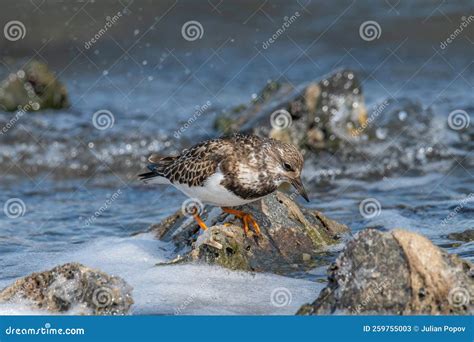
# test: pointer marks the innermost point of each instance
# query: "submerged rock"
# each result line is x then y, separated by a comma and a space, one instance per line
400, 273
465, 236
32, 88
291, 237
72, 287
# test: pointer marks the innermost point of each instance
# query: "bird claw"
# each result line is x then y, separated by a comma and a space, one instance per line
249, 219
246, 220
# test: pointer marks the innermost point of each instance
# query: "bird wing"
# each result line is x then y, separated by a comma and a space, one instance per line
193, 166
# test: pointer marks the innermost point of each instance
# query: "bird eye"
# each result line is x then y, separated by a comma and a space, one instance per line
287, 167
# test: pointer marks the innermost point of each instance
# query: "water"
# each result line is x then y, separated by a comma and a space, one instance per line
64, 169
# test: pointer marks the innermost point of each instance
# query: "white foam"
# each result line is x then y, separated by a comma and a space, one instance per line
183, 288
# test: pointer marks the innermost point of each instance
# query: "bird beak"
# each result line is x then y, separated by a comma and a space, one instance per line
299, 187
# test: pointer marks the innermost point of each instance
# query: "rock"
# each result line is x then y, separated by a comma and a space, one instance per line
465, 236
400, 273
328, 120
315, 115
288, 233
72, 287
32, 88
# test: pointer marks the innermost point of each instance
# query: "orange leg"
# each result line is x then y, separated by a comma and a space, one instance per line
246, 219
200, 222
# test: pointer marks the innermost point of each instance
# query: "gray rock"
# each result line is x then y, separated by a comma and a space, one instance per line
292, 238
398, 273
72, 287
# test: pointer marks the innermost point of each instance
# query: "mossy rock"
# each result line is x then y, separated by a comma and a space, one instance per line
292, 238
32, 88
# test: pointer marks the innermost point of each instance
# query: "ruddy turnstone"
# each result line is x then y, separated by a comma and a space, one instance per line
229, 172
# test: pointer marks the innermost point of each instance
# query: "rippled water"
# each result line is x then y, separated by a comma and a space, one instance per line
64, 169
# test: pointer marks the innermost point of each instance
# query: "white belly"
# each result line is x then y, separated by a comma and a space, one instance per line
213, 193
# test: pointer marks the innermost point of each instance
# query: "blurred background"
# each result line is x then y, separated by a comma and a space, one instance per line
136, 62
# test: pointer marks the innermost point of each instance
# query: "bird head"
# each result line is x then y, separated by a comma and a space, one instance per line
287, 163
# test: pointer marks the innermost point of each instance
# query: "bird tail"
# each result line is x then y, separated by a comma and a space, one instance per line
157, 167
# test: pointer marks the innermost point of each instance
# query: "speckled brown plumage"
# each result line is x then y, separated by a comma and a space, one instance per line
252, 167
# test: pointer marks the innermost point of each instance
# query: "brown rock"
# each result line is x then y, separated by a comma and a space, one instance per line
288, 232
318, 114
72, 286
395, 273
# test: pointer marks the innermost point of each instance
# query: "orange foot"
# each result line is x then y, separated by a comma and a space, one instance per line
200, 222
246, 219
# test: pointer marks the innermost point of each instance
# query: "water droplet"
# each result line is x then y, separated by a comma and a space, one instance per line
105, 72
381, 133
136, 32
402, 115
